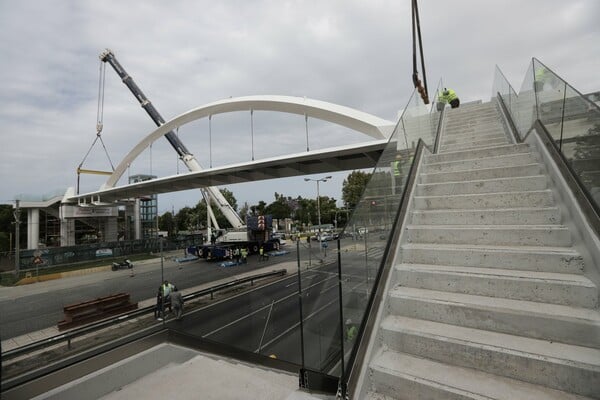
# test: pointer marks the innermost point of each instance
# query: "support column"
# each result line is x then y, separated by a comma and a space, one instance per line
67, 227
33, 228
110, 231
137, 220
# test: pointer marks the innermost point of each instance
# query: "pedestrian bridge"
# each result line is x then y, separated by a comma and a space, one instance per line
340, 158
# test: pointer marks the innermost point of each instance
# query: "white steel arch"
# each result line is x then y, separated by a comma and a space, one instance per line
351, 118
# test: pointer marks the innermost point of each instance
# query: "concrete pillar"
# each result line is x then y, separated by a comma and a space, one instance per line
137, 220
110, 230
67, 227
33, 228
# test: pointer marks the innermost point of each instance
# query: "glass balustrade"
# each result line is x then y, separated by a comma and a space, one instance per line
571, 119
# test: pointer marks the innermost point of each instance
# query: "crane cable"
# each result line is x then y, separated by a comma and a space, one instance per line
416, 30
99, 126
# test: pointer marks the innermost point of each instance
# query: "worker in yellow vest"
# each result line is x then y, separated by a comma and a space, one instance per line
449, 96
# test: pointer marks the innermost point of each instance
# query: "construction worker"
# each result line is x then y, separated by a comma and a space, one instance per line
449, 96
351, 330
244, 253
165, 293
177, 302
262, 255
542, 78
236, 255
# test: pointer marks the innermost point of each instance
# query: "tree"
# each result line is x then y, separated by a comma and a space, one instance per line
6, 226
166, 222
280, 208
184, 218
353, 188
195, 218
259, 209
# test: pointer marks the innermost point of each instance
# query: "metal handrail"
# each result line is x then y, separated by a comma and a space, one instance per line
68, 336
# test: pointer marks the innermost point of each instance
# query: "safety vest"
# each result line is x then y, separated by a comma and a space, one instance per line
166, 289
540, 74
447, 98
351, 332
396, 168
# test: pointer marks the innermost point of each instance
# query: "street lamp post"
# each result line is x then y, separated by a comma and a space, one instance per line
324, 179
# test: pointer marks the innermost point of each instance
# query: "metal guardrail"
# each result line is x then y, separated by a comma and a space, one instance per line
68, 336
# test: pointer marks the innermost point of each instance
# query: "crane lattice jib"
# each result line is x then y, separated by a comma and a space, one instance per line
109, 57
188, 158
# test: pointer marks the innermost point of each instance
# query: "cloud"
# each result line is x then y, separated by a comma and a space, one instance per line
189, 53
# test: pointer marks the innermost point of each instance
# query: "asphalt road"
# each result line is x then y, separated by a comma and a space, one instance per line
265, 320
37, 308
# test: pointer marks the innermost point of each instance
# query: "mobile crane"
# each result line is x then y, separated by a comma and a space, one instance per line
251, 236
185, 155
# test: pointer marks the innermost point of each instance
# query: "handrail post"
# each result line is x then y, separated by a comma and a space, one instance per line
342, 336
303, 379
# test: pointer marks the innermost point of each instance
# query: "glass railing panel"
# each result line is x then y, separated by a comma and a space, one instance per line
571, 119
320, 330
513, 102
501, 86
550, 97
435, 108
367, 234
525, 108
580, 140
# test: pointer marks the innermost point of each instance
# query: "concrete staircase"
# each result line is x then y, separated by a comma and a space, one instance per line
490, 300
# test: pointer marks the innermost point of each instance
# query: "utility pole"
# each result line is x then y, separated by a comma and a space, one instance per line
324, 179
17, 215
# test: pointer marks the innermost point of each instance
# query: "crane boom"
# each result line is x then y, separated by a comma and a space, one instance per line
188, 158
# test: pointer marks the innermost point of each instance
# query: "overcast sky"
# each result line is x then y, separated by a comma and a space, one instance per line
184, 54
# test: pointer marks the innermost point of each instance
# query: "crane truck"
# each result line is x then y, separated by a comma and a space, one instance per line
252, 235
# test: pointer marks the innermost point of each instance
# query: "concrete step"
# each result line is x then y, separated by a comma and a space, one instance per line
525, 258
469, 112
477, 163
483, 173
508, 149
544, 287
537, 198
509, 184
574, 369
506, 216
556, 323
477, 131
469, 137
469, 144
483, 118
479, 140
512, 235
473, 126
405, 377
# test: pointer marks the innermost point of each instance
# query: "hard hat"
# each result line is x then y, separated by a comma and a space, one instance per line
348, 321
